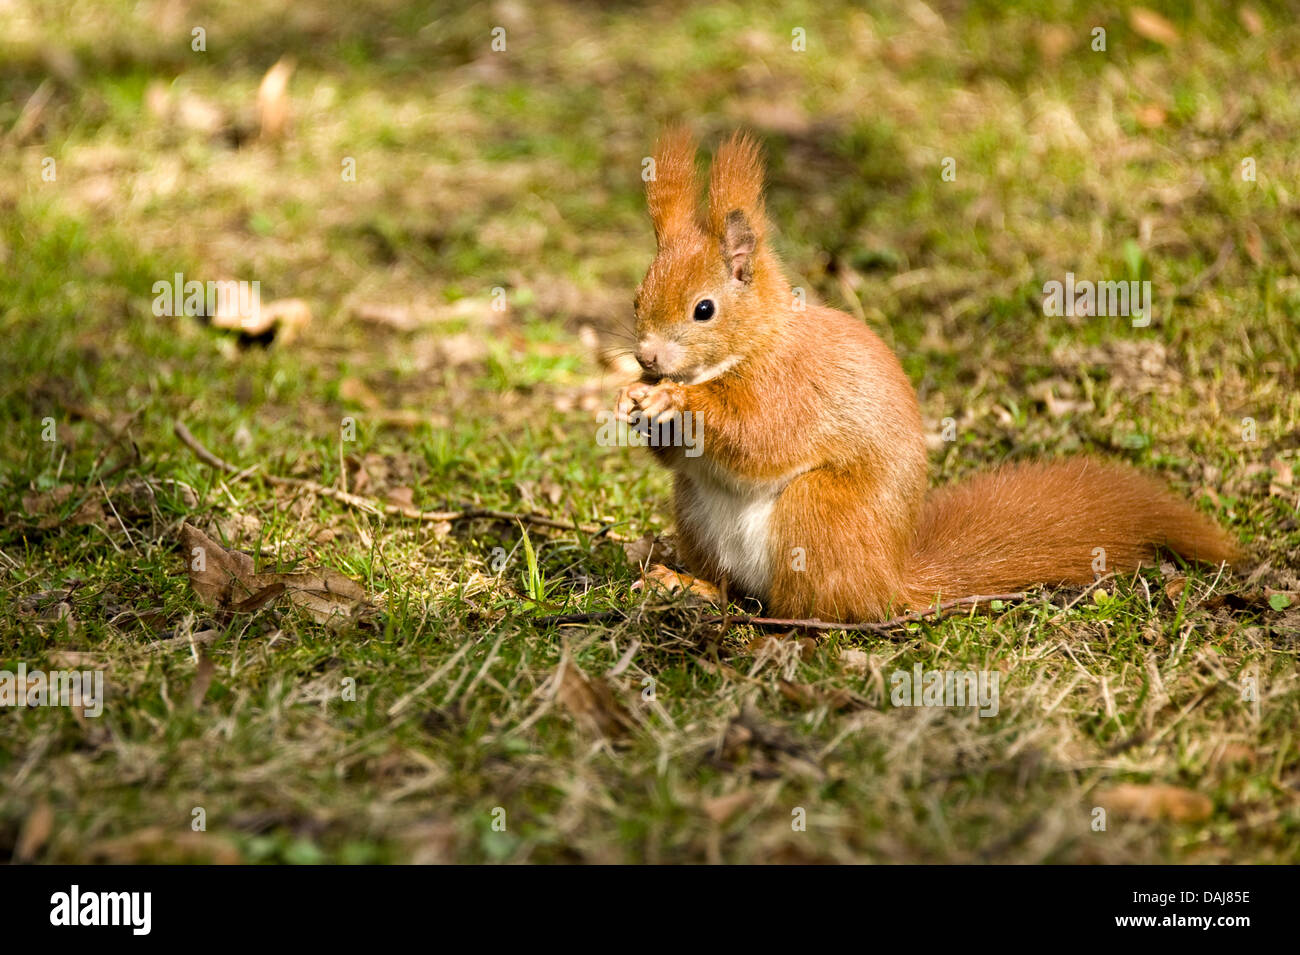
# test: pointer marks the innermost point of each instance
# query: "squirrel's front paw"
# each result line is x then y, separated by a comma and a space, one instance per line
662, 401
657, 402
629, 400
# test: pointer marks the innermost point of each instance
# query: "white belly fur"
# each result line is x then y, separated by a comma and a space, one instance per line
733, 519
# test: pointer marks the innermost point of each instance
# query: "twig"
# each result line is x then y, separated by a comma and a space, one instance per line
882, 626
370, 506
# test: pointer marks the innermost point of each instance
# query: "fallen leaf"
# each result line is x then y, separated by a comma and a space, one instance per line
1151, 25
772, 644
322, 592
226, 580
235, 529
1237, 753
855, 661
1054, 40
810, 697
78, 660
638, 551
202, 680
592, 703
1249, 601
722, 808
552, 491
163, 845
273, 99
355, 391
219, 577
35, 832
1151, 115
1174, 587
401, 495
1254, 243
42, 601
767, 750
1156, 801
260, 599
49, 505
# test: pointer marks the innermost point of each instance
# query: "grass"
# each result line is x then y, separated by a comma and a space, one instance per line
464, 740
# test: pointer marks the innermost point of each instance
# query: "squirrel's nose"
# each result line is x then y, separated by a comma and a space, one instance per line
647, 355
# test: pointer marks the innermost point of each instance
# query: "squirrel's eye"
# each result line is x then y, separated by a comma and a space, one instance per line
704, 310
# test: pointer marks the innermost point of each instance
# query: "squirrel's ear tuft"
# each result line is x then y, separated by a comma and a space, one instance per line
736, 217
672, 187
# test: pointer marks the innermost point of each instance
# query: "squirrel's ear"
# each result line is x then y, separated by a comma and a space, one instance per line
736, 216
739, 242
672, 188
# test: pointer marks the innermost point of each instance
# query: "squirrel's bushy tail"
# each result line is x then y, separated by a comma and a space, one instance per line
1042, 522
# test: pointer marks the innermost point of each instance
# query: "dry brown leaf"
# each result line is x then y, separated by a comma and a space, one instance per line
78, 660
1254, 243
1237, 753
855, 661
772, 644
322, 592
273, 99
219, 577
722, 808
592, 702
35, 832
202, 680
1156, 801
1151, 115
1055, 40
354, 390
235, 529
1174, 588
552, 491
196, 114
639, 550
157, 844
810, 697
226, 579
1247, 601
477, 312
395, 316
456, 351
401, 495
259, 599
1151, 25
48, 506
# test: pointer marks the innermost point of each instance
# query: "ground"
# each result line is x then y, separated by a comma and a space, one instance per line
465, 227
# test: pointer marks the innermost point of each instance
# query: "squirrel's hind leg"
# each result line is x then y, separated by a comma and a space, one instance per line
834, 555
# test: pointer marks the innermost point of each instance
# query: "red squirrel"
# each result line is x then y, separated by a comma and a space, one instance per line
808, 488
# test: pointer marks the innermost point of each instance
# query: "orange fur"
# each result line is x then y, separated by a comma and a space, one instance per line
810, 492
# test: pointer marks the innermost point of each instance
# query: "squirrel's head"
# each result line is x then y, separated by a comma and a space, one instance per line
714, 291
